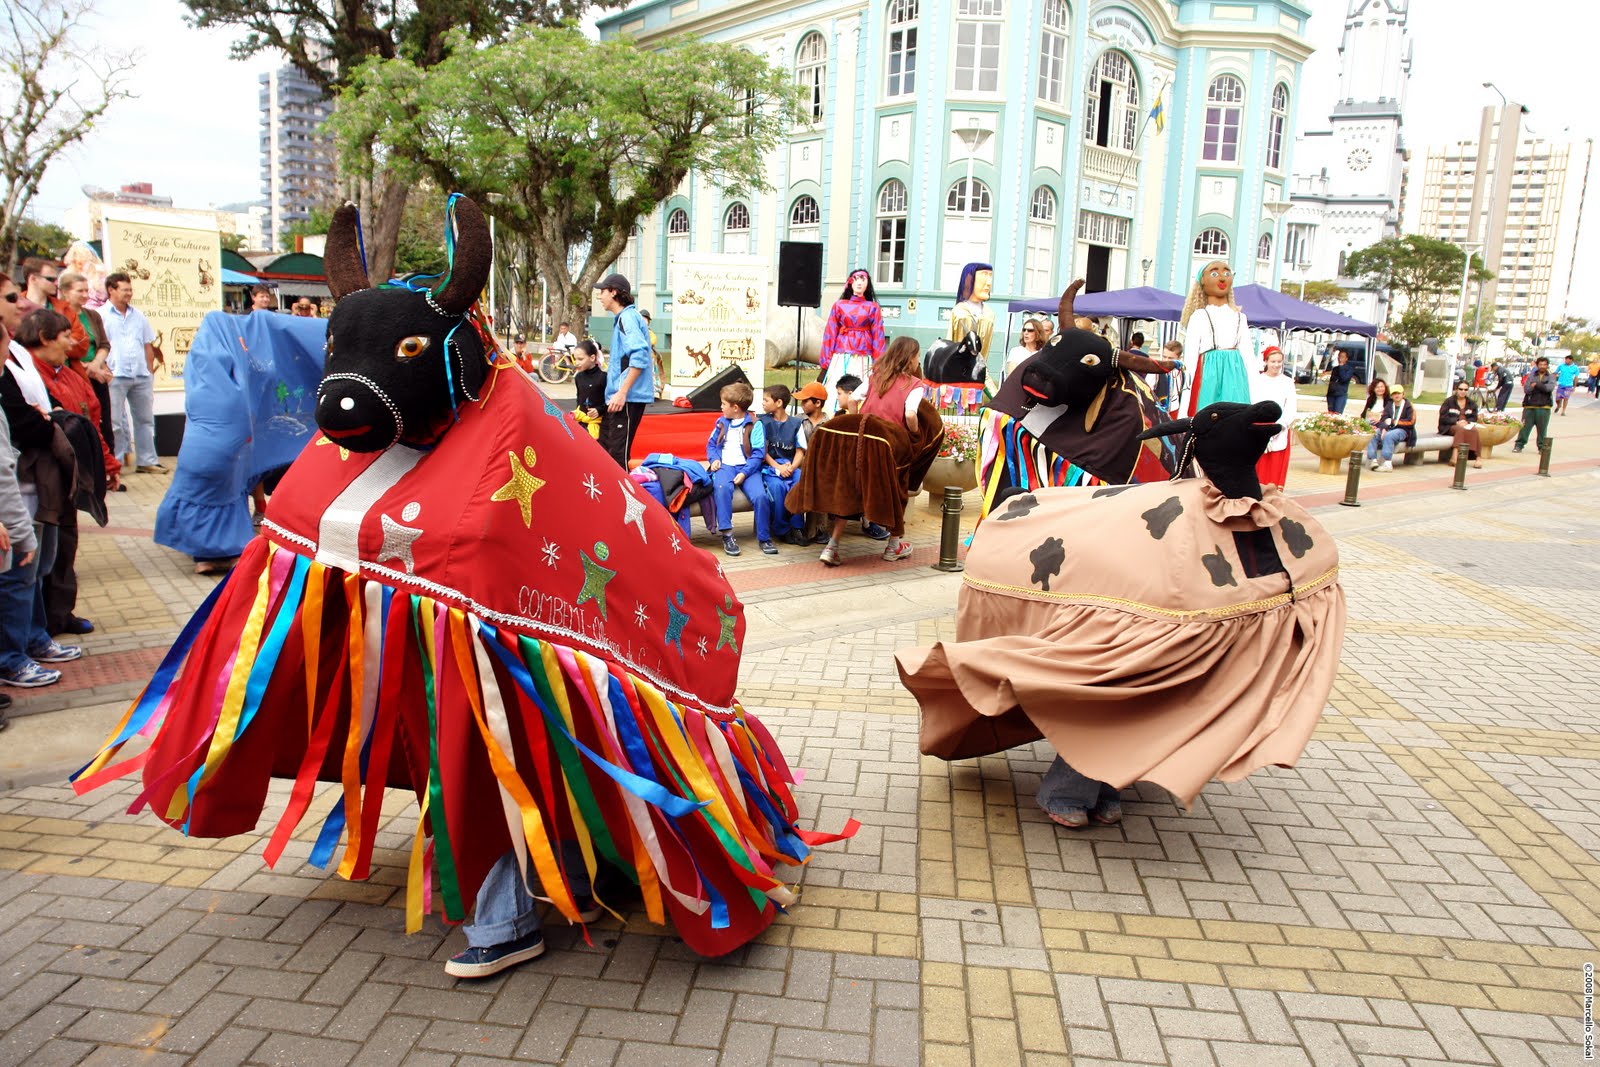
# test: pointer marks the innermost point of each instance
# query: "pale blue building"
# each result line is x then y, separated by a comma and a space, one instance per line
1022, 133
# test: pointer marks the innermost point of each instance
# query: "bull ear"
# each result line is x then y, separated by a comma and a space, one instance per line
1064, 314
342, 261
469, 269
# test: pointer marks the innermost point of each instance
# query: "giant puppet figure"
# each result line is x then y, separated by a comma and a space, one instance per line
456, 592
971, 313
1173, 632
1216, 335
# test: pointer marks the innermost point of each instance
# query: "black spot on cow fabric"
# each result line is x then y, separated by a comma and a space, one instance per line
1220, 569
1258, 553
1047, 560
1295, 536
1111, 490
1160, 518
1017, 506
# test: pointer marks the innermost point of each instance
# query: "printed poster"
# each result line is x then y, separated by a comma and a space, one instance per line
719, 316
176, 279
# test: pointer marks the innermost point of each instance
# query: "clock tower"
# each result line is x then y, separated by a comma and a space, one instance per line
1348, 183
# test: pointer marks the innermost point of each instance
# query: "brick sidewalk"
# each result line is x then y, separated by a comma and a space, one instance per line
1423, 888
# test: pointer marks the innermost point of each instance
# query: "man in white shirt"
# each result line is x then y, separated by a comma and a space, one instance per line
132, 363
565, 338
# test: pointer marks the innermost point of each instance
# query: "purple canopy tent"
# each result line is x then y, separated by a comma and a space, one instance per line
1267, 308
1143, 302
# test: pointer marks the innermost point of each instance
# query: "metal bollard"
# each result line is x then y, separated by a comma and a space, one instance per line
1352, 482
950, 531
1545, 448
1461, 468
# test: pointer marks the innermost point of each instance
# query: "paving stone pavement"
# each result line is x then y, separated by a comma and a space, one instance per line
1423, 888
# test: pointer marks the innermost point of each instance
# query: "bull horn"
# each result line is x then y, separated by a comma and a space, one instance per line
1166, 429
474, 251
1064, 314
342, 261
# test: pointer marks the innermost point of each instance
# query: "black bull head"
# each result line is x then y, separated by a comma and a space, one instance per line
399, 360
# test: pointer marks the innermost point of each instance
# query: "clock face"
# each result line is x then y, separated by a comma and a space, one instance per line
1360, 159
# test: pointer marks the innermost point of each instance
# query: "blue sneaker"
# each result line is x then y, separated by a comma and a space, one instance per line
54, 652
483, 962
874, 531
31, 677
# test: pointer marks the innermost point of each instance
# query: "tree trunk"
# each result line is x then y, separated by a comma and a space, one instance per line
385, 238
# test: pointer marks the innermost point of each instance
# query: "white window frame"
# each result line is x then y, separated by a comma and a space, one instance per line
1116, 67
1098, 228
968, 229
893, 203
1039, 261
900, 53
1224, 112
1264, 248
736, 228
805, 218
1275, 126
976, 63
678, 231
1054, 52
811, 73
1212, 243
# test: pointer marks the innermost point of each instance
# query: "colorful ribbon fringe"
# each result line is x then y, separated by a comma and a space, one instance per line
1010, 455
613, 740
954, 399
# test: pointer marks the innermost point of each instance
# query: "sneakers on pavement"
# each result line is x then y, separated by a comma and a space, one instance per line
830, 554
1388, 465
874, 531
151, 468
899, 549
30, 677
482, 962
1071, 818
769, 548
55, 653
729, 545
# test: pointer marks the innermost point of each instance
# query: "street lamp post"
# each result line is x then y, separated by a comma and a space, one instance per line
1305, 275
1144, 265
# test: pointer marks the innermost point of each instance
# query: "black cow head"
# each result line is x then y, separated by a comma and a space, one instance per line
1073, 367
399, 360
949, 362
1227, 439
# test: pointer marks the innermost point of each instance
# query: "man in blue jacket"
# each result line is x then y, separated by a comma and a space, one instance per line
629, 385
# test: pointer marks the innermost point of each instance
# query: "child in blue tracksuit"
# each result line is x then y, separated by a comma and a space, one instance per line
779, 474
735, 454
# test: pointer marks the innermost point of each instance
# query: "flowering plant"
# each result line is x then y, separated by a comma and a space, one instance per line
1327, 422
1498, 418
960, 442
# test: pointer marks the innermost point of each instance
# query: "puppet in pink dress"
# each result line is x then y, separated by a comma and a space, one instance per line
853, 339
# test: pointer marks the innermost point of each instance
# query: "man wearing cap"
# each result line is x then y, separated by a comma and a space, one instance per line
629, 383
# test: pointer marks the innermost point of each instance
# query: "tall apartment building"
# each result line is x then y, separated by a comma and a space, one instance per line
1521, 200
297, 158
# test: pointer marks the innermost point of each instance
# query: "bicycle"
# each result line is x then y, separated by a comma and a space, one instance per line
558, 364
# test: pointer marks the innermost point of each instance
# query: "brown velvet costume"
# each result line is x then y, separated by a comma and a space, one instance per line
1145, 631
868, 466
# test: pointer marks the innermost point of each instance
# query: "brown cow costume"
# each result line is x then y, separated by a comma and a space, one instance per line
1170, 632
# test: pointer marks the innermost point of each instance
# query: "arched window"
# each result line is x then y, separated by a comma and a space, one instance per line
1053, 61
1212, 242
677, 235
1111, 108
902, 50
1264, 248
978, 28
1039, 260
891, 233
736, 229
805, 219
1224, 105
811, 71
1275, 124
967, 227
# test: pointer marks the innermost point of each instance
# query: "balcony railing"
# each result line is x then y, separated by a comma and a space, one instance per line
1109, 163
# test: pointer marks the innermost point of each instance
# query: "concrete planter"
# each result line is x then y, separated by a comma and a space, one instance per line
1331, 448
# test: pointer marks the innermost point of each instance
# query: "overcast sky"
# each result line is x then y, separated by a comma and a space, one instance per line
193, 130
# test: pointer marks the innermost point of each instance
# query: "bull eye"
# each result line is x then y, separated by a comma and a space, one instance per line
1091, 360
411, 347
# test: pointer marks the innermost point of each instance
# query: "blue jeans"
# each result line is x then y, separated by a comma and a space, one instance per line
22, 621
135, 399
504, 910
1064, 789
1386, 440
777, 487
722, 488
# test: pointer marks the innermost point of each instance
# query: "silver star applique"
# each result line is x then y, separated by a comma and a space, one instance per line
552, 553
633, 510
397, 542
677, 544
640, 616
700, 646
591, 486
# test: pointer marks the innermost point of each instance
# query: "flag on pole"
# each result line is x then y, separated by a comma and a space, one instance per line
1158, 113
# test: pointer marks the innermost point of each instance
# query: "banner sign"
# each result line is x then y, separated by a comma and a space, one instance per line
177, 278
719, 316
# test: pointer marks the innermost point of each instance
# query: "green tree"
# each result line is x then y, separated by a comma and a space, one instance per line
232, 242
1316, 292
568, 142
327, 40
36, 238
1417, 323
53, 92
420, 248
1423, 270
1477, 322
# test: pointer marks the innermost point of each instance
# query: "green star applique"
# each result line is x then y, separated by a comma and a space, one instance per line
595, 577
728, 622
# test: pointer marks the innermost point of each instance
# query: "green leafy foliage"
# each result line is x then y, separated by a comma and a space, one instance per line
36, 238
568, 142
1420, 269
1316, 292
